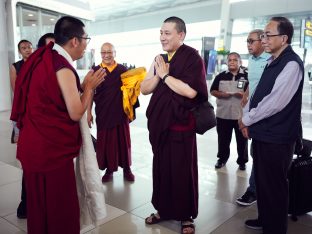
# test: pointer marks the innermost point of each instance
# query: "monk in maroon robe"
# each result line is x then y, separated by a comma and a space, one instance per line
177, 81
113, 146
47, 107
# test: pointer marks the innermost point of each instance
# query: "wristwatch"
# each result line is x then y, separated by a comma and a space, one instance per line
165, 77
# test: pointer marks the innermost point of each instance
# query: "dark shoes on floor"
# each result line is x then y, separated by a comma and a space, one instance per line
242, 167
128, 175
21, 210
107, 177
219, 164
247, 199
254, 224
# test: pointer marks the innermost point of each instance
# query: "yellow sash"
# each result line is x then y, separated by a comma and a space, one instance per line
130, 88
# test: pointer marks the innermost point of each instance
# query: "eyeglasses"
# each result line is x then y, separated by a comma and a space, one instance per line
251, 41
107, 52
88, 39
267, 36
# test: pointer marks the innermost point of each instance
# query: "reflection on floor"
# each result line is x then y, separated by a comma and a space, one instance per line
129, 203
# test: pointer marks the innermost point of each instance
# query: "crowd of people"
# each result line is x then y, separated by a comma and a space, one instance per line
261, 102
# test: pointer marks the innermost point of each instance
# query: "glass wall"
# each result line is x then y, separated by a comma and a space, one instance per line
34, 22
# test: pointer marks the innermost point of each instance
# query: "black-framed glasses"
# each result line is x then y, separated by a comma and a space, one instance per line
267, 36
251, 41
107, 52
88, 39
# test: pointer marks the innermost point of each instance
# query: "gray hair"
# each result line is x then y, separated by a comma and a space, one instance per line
258, 31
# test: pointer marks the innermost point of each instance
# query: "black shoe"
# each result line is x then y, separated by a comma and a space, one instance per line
247, 199
219, 164
242, 167
21, 210
254, 224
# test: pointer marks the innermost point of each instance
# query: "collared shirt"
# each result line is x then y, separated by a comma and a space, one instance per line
110, 68
285, 87
229, 108
64, 53
256, 66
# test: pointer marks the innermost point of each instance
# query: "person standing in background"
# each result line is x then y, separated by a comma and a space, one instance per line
45, 39
25, 49
228, 87
113, 145
256, 63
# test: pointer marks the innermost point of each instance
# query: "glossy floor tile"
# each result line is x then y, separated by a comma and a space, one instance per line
128, 203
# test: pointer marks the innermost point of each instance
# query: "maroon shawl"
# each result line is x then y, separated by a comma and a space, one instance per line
167, 107
108, 100
49, 139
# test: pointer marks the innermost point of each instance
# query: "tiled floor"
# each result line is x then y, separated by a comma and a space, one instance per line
129, 203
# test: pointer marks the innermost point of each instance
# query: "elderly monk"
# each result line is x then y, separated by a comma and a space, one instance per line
47, 105
177, 81
113, 146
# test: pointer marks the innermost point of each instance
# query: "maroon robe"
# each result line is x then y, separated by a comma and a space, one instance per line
48, 142
113, 146
172, 135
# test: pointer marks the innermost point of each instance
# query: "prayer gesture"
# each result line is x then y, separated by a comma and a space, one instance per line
93, 79
161, 67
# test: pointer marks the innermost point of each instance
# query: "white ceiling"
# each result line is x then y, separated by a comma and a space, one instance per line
112, 9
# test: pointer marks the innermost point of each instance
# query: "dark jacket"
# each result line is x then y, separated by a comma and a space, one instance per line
284, 126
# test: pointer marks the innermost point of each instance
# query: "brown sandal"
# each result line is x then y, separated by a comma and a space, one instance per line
153, 218
187, 224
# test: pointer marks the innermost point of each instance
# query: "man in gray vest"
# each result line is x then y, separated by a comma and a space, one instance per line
272, 119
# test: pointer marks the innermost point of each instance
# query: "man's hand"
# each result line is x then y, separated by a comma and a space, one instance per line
93, 79
161, 67
245, 132
238, 94
243, 128
90, 119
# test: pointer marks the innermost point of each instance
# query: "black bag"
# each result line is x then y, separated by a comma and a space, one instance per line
300, 189
303, 147
205, 117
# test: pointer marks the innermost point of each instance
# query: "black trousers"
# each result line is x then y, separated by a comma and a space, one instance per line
224, 129
271, 165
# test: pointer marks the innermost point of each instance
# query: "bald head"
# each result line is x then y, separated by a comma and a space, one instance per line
108, 54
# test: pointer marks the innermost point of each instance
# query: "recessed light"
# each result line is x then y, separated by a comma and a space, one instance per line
33, 25
52, 19
30, 15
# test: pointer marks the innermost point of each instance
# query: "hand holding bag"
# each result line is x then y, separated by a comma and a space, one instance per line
205, 117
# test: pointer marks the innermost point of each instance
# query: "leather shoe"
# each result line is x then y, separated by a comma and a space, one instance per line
242, 167
219, 164
107, 177
128, 175
22, 210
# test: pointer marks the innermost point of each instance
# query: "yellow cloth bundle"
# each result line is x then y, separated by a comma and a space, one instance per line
130, 88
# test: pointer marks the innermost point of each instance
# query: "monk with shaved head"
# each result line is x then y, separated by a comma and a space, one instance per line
113, 146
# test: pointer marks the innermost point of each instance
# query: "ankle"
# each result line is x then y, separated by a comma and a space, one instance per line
127, 170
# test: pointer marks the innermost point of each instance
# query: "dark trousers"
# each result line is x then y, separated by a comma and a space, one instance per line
52, 201
224, 129
23, 192
271, 164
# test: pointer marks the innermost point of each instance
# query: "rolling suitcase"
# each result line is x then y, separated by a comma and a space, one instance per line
300, 182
